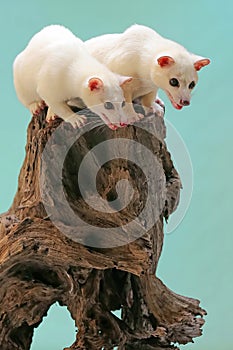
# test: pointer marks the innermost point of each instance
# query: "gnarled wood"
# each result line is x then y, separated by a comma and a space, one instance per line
40, 264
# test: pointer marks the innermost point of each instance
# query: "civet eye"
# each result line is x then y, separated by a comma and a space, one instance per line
191, 85
108, 105
174, 82
123, 104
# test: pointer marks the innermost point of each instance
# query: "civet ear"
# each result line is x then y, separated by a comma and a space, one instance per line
124, 80
95, 84
201, 62
165, 61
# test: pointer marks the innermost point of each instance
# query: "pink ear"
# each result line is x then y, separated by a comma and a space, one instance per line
164, 61
124, 80
95, 84
201, 63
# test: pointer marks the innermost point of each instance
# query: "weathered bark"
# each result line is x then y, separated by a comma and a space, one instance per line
41, 265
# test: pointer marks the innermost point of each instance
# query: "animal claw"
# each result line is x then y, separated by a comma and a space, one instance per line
37, 107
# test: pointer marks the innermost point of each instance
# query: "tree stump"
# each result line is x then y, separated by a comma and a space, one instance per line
58, 246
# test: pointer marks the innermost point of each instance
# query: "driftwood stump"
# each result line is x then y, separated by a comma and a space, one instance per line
46, 257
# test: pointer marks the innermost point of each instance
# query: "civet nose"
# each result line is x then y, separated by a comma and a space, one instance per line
184, 102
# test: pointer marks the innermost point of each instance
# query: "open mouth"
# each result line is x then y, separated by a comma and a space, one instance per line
175, 105
107, 121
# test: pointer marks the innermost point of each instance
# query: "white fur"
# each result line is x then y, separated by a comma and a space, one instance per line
55, 67
135, 53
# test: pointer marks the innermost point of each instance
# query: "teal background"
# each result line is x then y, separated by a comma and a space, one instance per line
197, 257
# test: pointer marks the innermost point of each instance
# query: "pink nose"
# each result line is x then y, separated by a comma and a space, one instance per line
184, 102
